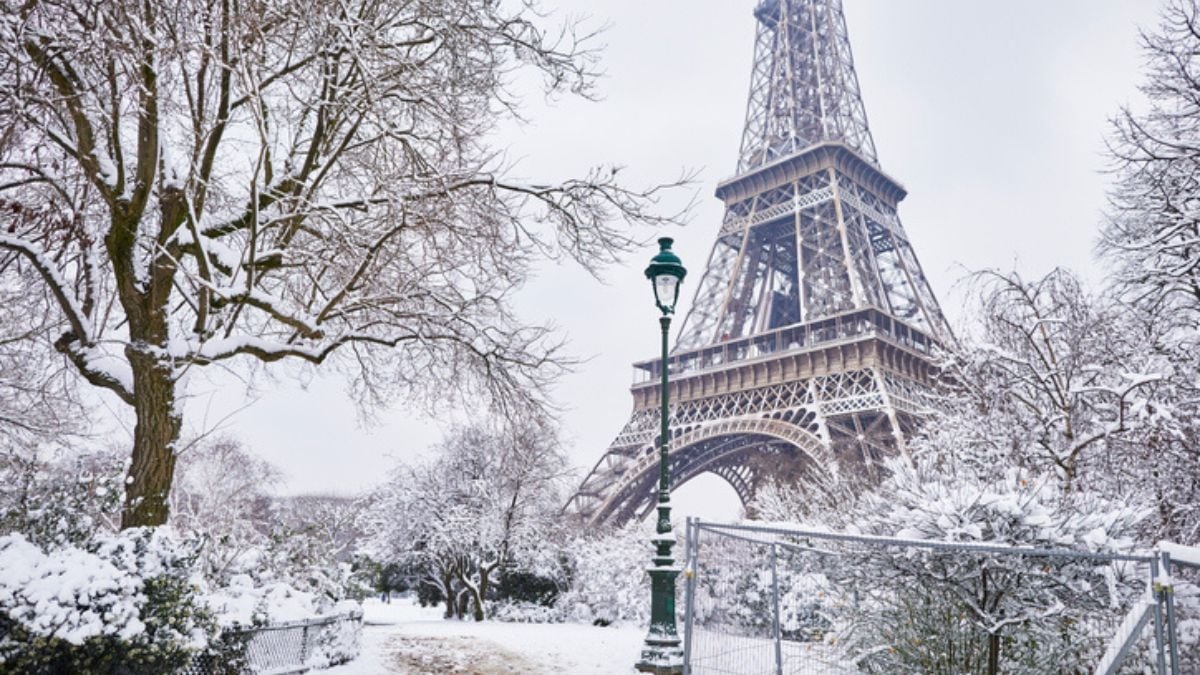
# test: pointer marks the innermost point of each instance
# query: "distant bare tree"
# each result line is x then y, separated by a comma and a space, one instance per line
202, 180
486, 502
223, 494
329, 522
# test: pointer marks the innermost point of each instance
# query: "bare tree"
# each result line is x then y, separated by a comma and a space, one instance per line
1153, 232
1076, 388
1054, 371
330, 522
1151, 240
223, 494
38, 402
485, 503
204, 180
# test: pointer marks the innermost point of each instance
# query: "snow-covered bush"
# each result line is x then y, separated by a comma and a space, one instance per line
608, 576
518, 611
125, 602
1185, 581
297, 558
57, 500
72, 596
133, 602
530, 594
242, 603
241, 606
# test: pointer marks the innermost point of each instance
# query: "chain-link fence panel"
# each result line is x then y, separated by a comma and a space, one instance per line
781, 600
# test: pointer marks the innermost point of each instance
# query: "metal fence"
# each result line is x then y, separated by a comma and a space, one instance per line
281, 648
766, 599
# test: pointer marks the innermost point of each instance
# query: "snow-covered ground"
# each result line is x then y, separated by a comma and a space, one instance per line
402, 637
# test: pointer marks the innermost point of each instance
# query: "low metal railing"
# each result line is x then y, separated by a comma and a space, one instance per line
281, 648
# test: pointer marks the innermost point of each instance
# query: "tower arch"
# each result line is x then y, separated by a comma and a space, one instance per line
744, 452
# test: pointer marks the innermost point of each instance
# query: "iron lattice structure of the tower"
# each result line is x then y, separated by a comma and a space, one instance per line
810, 346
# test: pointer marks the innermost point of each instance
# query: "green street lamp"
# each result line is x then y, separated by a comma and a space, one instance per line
662, 653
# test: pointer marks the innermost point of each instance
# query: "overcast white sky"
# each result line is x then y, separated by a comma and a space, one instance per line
992, 114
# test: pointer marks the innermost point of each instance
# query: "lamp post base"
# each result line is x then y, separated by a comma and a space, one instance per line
662, 652
665, 659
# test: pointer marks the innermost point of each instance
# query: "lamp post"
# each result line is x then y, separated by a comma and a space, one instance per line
662, 653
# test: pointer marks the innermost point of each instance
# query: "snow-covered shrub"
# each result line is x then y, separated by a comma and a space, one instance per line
1186, 583
517, 611
736, 591
804, 601
242, 606
72, 596
124, 603
326, 640
530, 594
608, 576
242, 603
56, 502
530, 588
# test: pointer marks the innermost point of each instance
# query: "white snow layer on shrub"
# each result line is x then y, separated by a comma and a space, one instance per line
242, 603
610, 583
68, 594
523, 612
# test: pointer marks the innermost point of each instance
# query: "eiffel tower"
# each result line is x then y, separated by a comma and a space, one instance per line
810, 346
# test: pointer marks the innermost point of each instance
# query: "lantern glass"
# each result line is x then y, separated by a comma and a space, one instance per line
666, 287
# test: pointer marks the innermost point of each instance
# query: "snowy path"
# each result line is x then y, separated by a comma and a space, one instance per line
403, 638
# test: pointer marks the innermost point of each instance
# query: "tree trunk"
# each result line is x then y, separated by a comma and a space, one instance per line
485, 573
154, 437
993, 667
446, 579
464, 598
477, 602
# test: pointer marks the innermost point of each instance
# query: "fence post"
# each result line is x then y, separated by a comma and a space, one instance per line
1160, 657
1168, 590
691, 567
304, 645
775, 599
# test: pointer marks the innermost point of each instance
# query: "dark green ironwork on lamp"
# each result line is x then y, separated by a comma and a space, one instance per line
662, 653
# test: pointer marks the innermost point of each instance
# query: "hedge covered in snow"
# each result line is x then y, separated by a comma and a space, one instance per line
124, 600
133, 602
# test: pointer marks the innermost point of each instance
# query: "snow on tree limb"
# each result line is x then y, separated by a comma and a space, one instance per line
283, 182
